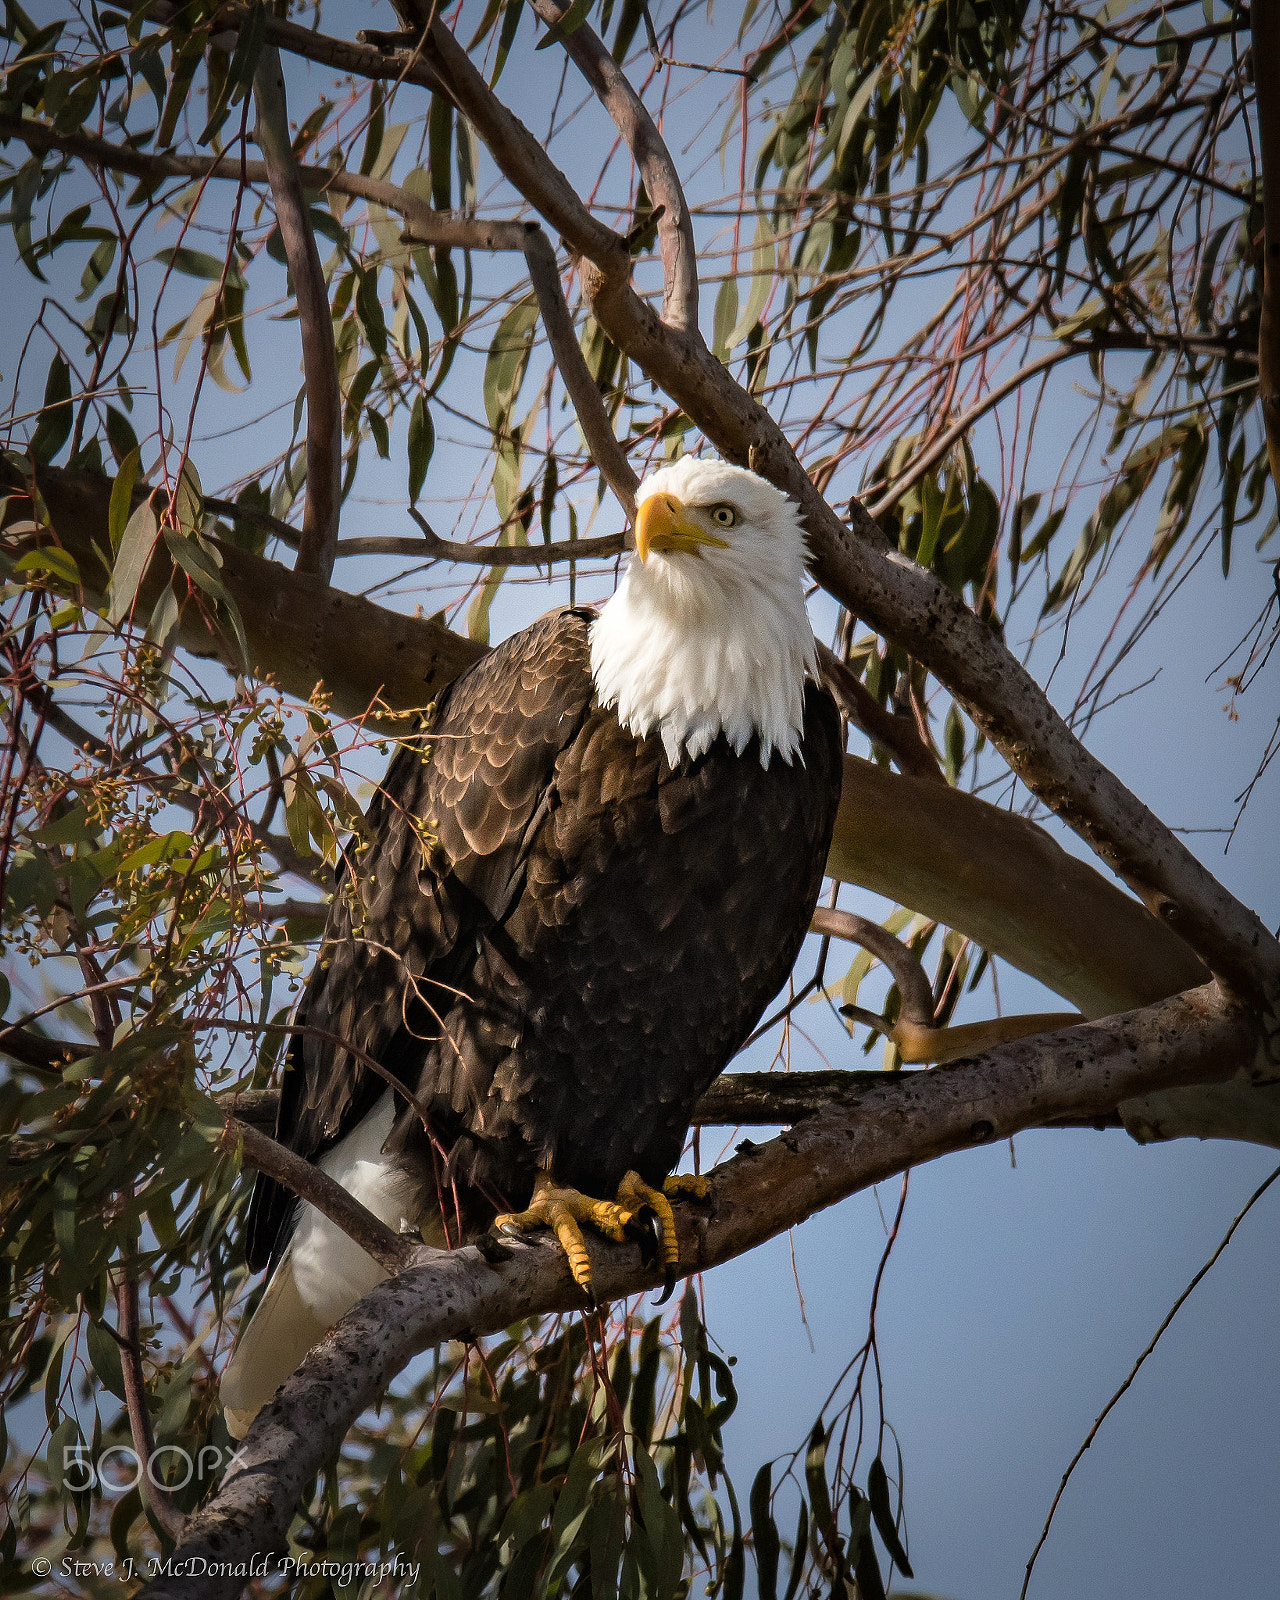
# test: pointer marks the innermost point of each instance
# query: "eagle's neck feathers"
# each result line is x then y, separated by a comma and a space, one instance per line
695, 644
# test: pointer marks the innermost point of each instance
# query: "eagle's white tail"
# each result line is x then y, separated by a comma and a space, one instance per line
322, 1273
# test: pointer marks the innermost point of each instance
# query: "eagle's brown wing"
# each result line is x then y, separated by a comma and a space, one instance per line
447, 837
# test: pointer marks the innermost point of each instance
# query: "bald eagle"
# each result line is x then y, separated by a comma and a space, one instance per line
578, 898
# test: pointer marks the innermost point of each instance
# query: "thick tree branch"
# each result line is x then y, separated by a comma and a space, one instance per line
898, 598
758, 1194
319, 537
657, 169
300, 632
1006, 884
1265, 19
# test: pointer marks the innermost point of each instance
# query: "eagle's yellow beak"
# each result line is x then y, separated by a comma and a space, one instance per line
662, 523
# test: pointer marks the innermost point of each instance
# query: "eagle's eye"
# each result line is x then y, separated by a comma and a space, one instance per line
724, 516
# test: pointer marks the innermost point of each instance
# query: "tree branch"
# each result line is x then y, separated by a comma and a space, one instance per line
319, 537
899, 599
597, 430
759, 1193
300, 632
483, 555
1006, 884
392, 1251
516, 555
897, 735
734, 1100
162, 1508
657, 169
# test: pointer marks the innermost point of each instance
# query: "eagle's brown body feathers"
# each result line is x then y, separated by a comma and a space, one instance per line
554, 938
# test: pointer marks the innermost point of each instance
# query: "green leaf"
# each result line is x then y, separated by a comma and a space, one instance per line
725, 319
865, 1566
49, 558
121, 508
1070, 200
104, 1354
815, 1473
73, 829
1166, 42
763, 277
508, 360
550, 487
165, 616
184, 67
764, 1534
136, 544
422, 442
377, 124
66, 1459
381, 435
665, 1545
54, 427
882, 1511
800, 1552
510, 22
121, 437
198, 264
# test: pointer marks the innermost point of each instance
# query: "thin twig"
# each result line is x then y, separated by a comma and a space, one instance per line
170, 1519
657, 169
1265, 18
490, 555
319, 536
1134, 1370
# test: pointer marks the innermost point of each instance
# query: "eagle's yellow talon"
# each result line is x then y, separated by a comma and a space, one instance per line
692, 1184
635, 1192
562, 1210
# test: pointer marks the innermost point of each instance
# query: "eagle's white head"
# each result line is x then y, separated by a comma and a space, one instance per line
707, 633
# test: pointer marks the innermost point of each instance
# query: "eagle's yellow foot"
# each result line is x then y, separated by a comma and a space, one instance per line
563, 1210
634, 1193
690, 1184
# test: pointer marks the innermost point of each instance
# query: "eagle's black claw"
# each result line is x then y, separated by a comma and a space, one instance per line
589, 1295
645, 1228
668, 1284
